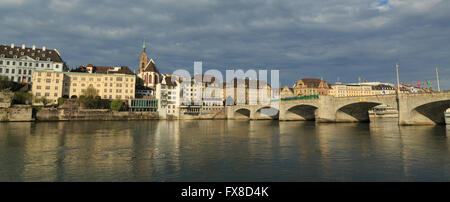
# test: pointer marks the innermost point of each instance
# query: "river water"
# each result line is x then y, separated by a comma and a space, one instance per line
222, 150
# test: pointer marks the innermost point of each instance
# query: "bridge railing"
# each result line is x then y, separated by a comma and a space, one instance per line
301, 98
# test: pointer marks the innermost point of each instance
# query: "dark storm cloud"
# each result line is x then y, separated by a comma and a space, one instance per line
329, 39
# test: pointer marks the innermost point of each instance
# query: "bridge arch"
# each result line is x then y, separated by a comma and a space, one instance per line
267, 112
432, 111
355, 112
242, 113
301, 112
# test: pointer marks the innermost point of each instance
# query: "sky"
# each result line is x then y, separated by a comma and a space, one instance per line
334, 40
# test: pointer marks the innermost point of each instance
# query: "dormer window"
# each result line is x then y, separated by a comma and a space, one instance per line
21, 53
32, 54
15, 56
10, 52
2, 55
48, 59
37, 58
43, 55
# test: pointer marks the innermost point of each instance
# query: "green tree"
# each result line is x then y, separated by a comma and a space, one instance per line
22, 98
89, 92
89, 97
61, 101
116, 105
5, 83
44, 100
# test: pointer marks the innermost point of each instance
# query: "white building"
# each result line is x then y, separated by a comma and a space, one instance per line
168, 95
19, 63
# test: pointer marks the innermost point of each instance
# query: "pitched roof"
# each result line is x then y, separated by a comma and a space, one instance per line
9, 52
104, 69
313, 83
151, 67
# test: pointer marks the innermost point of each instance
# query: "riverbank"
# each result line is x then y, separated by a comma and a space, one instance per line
56, 114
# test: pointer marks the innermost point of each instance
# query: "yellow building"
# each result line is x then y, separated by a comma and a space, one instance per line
53, 85
48, 84
349, 90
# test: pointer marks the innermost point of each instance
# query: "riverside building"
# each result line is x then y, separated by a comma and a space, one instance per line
19, 63
110, 82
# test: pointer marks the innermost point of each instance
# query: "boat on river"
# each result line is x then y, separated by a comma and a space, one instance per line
383, 111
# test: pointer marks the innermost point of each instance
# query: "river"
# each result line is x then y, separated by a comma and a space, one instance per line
222, 150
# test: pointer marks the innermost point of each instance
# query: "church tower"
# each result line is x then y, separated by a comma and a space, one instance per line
143, 60
148, 71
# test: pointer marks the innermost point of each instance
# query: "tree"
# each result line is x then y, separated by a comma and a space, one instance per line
116, 105
89, 91
5, 83
22, 98
89, 97
44, 100
61, 101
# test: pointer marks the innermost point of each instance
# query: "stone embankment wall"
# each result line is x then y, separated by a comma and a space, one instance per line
16, 113
54, 114
219, 114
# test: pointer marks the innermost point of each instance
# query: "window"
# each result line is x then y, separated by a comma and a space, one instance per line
7, 71
47, 80
57, 80
47, 87
20, 71
47, 94
38, 94
1, 62
38, 87
29, 72
13, 71
49, 74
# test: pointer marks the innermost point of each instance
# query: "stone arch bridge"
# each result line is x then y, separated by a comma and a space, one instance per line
414, 109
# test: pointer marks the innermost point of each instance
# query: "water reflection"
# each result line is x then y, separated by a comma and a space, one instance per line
222, 150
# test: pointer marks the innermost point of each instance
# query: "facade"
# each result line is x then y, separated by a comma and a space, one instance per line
19, 63
148, 71
247, 92
363, 89
144, 92
286, 92
310, 86
53, 85
143, 105
48, 84
202, 90
168, 95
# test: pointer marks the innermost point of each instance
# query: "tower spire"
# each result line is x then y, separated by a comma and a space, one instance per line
143, 46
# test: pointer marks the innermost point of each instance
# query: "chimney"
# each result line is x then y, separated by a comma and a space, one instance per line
33, 47
12, 45
43, 48
23, 46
